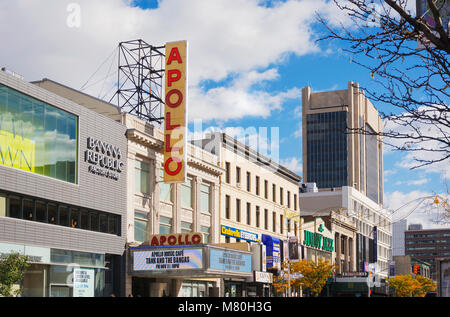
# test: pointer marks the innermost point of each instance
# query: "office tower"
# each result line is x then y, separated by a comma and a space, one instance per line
333, 156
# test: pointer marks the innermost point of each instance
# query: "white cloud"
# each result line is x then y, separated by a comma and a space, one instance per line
415, 206
293, 164
240, 38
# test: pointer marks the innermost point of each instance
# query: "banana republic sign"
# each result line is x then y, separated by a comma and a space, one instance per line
105, 159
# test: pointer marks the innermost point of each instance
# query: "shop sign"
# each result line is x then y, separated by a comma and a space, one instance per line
273, 251
238, 234
104, 159
318, 241
353, 274
176, 239
230, 261
263, 277
157, 259
175, 112
83, 282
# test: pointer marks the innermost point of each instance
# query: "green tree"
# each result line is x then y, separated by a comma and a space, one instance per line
12, 271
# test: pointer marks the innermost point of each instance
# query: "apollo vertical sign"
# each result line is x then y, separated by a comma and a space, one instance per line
175, 112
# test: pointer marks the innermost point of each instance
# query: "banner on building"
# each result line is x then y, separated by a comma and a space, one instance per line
158, 259
175, 112
83, 282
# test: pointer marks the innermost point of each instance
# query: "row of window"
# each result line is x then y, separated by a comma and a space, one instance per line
142, 186
40, 210
257, 218
165, 227
257, 187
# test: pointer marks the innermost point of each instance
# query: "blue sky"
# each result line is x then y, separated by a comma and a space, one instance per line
248, 61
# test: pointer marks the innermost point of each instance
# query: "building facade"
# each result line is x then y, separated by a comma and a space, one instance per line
428, 245
258, 201
62, 191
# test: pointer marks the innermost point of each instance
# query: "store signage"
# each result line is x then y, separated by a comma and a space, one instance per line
83, 282
318, 241
263, 277
273, 251
175, 112
104, 159
238, 234
230, 261
155, 260
353, 274
176, 239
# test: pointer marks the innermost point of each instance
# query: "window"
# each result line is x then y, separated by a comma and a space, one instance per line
28, 209
266, 189
186, 193
140, 226
238, 210
186, 227
288, 199
257, 185
84, 219
165, 225
248, 181
53, 214
46, 137
274, 221
281, 224
165, 189
15, 207
227, 172
206, 231
41, 211
295, 202
64, 216
103, 220
257, 217
94, 221
274, 193
238, 175
205, 201
281, 196
227, 206
74, 218
141, 178
266, 219
249, 217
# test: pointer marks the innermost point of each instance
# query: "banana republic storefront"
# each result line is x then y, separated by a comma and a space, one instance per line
181, 265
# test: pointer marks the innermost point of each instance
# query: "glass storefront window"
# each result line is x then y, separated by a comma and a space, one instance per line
63, 216
15, 207
44, 136
28, 209
52, 214
41, 211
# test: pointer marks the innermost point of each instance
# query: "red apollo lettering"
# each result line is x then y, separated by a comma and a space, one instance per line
169, 126
196, 239
174, 56
154, 241
173, 75
172, 240
179, 96
162, 240
172, 172
169, 148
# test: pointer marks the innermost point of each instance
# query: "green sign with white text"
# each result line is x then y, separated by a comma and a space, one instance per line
318, 241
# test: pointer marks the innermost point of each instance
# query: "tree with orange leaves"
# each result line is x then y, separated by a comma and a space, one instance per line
410, 286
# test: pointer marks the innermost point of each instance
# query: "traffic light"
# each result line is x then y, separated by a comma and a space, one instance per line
416, 269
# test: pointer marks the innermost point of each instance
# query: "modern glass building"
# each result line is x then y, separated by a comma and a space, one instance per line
62, 193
